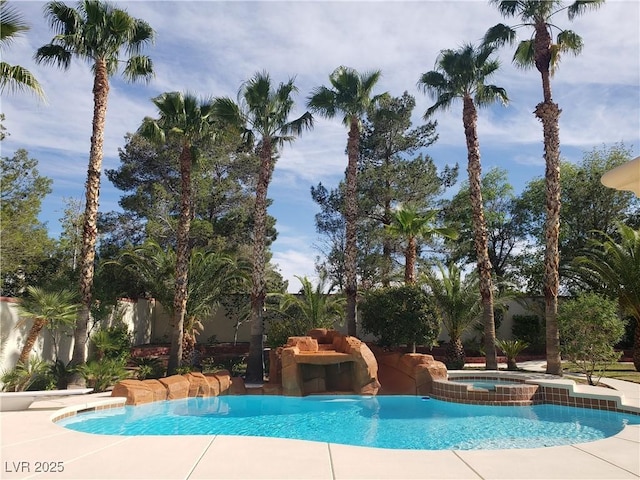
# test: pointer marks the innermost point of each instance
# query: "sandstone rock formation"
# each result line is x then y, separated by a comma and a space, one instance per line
409, 373
192, 384
324, 362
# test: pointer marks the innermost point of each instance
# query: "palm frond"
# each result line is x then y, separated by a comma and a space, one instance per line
499, 35
579, 7
52, 54
569, 41
12, 23
16, 78
524, 56
323, 101
139, 67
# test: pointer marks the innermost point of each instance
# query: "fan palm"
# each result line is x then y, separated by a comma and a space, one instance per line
462, 74
98, 33
262, 112
349, 95
14, 77
184, 119
410, 225
47, 309
459, 304
613, 266
540, 51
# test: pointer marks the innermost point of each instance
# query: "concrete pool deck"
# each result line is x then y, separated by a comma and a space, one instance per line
30, 441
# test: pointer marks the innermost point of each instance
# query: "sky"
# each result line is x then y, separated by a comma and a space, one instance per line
210, 47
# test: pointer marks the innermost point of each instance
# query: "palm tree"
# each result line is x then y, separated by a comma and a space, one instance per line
186, 120
541, 51
212, 275
47, 309
350, 95
14, 77
317, 306
462, 74
98, 33
410, 225
459, 304
614, 266
262, 111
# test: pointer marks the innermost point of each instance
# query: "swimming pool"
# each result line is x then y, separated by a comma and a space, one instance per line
396, 422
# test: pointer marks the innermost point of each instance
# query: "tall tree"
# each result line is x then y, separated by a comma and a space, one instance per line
14, 77
98, 33
409, 225
190, 122
24, 243
613, 266
541, 51
387, 173
462, 74
263, 112
350, 94
223, 194
587, 205
505, 228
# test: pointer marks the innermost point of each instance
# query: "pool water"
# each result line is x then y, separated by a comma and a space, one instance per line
397, 422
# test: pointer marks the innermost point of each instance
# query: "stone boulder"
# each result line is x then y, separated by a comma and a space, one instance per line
409, 373
193, 384
177, 386
158, 389
135, 391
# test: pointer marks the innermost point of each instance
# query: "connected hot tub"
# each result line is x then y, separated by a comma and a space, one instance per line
484, 388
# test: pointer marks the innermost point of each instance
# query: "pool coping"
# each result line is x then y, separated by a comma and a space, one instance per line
29, 436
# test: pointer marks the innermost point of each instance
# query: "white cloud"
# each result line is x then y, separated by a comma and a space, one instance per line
210, 47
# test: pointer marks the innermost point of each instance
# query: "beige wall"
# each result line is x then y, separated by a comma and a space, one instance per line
149, 323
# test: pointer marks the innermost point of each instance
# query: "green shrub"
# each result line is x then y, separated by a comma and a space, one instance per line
148, 367
403, 315
529, 329
113, 342
100, 375
236, 366
61, 373
184, 369
34, 375
589, 328
279, 331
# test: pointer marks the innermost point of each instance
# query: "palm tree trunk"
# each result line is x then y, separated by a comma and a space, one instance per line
351, 213
549, 114
32, 337
470, 118
636, 345
455, 356
255, 362
182, 262
92, 195
410, 262
386, 243
542, 46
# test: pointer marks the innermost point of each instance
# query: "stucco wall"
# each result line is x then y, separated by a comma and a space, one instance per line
149, 323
